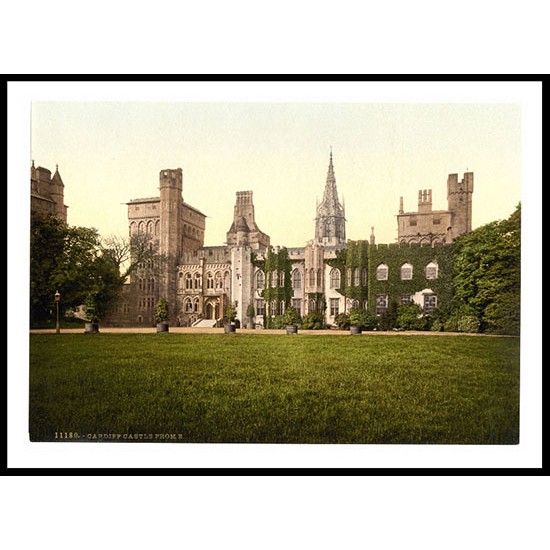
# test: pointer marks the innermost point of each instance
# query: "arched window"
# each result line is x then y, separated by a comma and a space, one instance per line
260, 280
312, 277
319, 277
274, 279
282, 278
218, 279
296, 279
197, 280
406, 272
150, 227
141, 227
382, 272
152, 284
188, 305
356, 277
188, 281
157, 227
432, 271
133, 228
335, 278
140, 284
209, 281
196, 305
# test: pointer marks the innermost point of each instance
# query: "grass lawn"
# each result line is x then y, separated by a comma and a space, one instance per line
257, 388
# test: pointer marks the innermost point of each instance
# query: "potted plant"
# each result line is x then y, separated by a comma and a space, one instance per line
229, 318
291, 318
91, 326
161, 315
357, 320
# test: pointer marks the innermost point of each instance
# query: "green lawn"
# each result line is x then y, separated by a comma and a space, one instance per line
275, 389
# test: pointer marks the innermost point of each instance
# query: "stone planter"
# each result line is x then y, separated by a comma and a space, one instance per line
229, 328
355, 330
292, 329
162, 327
91, 328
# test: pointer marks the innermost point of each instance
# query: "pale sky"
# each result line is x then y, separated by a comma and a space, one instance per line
111, 152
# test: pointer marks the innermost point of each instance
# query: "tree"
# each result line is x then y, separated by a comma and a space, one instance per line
80, 265
487, 274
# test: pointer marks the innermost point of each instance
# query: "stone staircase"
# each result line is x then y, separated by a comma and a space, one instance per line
204, 323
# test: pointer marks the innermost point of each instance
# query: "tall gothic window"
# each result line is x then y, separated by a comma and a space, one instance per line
356, 275
381, 303
296, 279
319, 277
312, 277
335, 278
188, 281
260, 280
197, 280
209, 280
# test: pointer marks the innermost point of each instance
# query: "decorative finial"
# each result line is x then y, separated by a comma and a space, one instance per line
33, 163
56, 167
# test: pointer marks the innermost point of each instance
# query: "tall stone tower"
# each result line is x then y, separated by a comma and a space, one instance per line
244, 230
171, 219
330, 222
459, 200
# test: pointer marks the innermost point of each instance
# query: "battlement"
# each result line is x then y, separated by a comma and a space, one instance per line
171, 178
244, 198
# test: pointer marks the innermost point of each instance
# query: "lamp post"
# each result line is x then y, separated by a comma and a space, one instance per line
57, 297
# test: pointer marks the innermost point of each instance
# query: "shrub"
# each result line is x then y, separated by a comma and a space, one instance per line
342, 321
161, 311
90, 309
312, 321
230, 314
409, 317
291, 316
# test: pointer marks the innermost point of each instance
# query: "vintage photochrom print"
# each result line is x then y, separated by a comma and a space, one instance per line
337, 271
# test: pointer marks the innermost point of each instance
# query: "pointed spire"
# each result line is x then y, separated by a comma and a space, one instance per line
372, 239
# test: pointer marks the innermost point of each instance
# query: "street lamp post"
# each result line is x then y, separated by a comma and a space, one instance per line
57, 297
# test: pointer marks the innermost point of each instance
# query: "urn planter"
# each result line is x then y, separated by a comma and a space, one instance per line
229, 328
355, 330
91, 328
292, 329
162, 327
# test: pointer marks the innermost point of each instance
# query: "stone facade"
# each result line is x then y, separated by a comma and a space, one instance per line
427, 226
327, 275
47, 192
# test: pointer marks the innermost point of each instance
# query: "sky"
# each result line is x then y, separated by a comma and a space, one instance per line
110, 152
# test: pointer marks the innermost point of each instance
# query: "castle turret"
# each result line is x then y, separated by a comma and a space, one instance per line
57, 194
171, 219
244, 230
459, 200
330, 222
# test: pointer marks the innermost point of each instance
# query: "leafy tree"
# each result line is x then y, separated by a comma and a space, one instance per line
487, 274
161, 311
76, 262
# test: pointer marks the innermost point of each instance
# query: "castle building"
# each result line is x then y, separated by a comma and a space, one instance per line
329, 275
47, 192
427, 226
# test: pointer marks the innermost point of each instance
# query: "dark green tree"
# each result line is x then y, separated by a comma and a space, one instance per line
487, 274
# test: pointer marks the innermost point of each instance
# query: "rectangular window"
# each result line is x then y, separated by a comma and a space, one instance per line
297, 305
334, 306
406, 299
412, 222
260, 307
430, 303
436, 221
381, 303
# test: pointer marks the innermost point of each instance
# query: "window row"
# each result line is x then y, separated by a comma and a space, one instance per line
431, 271
146, 285
146, 303
214, 281
191, 305
150, 227
428, 306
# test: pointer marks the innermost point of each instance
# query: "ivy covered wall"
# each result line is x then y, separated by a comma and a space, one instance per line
394, 256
